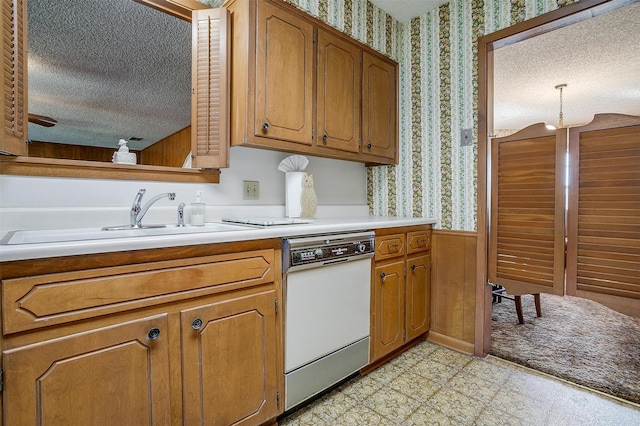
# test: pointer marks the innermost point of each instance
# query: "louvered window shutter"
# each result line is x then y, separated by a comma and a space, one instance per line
526, 248
210, 98
14, 72
603, 253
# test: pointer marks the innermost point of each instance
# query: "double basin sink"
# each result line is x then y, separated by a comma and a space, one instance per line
81, 234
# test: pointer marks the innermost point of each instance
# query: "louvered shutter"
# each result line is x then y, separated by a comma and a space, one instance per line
603, 254
14, 78
526, 253
210, 97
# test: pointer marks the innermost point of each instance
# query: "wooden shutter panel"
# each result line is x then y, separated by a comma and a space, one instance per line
603, 252
210, 78
526, 253
14, 78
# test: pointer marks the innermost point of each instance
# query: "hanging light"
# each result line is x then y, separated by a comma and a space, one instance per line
560, 118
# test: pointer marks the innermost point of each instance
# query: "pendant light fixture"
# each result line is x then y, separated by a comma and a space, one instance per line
560, 118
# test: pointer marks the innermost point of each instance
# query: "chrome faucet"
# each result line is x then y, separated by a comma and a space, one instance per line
137, 212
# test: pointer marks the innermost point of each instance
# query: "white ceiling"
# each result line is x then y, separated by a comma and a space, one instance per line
126, 89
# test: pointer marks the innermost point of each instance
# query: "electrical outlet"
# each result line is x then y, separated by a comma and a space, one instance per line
466, 137
250, 190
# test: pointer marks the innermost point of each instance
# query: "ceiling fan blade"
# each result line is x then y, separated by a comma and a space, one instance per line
42, 120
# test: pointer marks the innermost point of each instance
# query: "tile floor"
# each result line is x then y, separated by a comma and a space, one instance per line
432, 385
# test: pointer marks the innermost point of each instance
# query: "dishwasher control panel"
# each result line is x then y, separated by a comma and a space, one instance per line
325, 249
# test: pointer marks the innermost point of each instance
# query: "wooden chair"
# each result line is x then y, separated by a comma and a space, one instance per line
499, 292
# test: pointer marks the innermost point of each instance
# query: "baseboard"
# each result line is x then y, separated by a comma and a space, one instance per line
451, 343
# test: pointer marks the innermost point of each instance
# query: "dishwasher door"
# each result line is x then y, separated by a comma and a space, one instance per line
327, 308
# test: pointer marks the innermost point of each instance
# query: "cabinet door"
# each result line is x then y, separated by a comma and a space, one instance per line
210, 74
284, 76
418, 295
388, 296
379, 108
338, 93
116, 375
229, 361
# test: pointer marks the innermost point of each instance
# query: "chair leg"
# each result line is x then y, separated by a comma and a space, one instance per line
536, 298
518, 301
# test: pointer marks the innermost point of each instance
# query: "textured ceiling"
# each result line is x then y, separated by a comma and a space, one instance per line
107, 70
598, 59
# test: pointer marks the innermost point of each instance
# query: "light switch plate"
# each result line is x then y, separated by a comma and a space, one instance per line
250, 189
466, 137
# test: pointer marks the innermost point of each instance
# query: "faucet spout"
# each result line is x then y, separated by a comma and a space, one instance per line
137, 212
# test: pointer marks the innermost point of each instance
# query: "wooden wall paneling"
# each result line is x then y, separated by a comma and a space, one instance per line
453, 304
171, 151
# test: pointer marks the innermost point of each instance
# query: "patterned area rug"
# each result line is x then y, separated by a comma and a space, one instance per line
576, 339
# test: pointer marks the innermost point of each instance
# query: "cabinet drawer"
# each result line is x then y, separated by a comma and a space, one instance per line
389, 246
418, 241
45, 300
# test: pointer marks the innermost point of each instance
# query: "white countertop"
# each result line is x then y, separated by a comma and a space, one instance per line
318, 226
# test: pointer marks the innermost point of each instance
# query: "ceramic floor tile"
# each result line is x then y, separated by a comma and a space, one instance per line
420, 390
455, 405
392, 405
488, 371
361, 416
431, 385
361, 388
435, 371
450, 358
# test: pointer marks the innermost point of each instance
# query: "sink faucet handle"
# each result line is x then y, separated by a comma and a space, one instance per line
181, 215
172, 195
135, 207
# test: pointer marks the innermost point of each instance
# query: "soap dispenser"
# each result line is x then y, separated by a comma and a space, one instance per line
197, 211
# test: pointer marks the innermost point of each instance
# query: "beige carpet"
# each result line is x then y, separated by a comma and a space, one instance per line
576, 339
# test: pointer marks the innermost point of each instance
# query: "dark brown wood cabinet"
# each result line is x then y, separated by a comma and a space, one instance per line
401, 288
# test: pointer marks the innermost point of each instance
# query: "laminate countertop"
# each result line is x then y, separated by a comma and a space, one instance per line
10, 252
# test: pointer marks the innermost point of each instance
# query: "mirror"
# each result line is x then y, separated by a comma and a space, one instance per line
103, 71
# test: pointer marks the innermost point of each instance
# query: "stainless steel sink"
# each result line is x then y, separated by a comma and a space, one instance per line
81, 234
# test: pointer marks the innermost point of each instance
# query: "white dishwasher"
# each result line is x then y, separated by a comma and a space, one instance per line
327, 290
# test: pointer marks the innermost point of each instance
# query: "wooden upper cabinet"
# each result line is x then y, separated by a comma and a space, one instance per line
210, 95
284, 76
13, 27
379, 108
339, 79
295, 93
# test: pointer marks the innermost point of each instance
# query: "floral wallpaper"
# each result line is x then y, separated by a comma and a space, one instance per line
437, 56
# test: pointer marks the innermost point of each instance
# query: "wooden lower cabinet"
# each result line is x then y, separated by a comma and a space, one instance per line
401, 288
110, 375
228, 358
191, 340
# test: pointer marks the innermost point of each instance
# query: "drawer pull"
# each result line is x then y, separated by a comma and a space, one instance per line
383, 276
196, 324
422, 241
154, 333
393, 246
